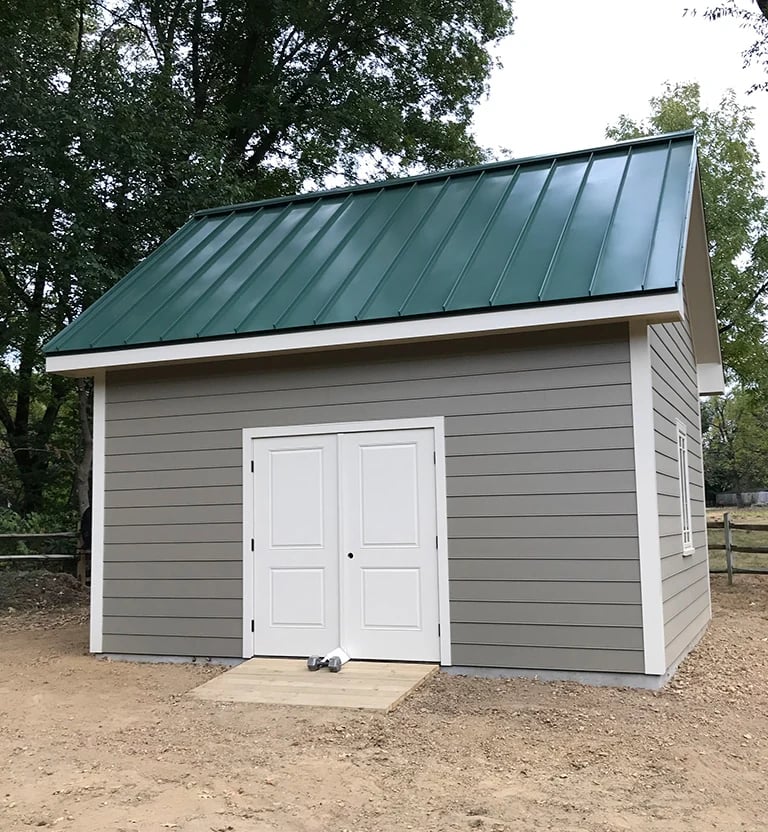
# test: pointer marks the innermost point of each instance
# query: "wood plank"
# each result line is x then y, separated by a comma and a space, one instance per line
368, 685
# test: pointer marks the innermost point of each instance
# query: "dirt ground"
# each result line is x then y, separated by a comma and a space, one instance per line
93, 745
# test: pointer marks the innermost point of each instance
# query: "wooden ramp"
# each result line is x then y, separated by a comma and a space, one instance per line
378, 686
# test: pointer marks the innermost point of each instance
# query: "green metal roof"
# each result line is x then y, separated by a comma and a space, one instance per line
591, 224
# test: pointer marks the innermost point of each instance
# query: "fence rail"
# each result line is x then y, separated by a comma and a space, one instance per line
80, 555
729, 547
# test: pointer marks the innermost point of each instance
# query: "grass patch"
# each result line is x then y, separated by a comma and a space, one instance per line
740, 537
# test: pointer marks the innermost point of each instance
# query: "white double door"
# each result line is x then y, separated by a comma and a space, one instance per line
345, 545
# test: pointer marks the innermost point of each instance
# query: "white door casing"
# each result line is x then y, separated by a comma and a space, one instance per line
384, 502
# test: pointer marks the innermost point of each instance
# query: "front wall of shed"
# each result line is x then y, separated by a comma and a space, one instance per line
543, 553
685, 578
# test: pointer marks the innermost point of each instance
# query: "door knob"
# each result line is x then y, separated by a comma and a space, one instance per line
350, 555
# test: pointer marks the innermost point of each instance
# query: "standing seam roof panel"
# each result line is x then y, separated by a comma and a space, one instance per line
605, 222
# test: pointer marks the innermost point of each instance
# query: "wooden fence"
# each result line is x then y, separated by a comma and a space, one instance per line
729, 547
79, 555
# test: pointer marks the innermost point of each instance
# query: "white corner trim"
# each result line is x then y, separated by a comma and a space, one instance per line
443, 586
249, 568
711, 379
660, 307
434, 423
97, 514
647, 499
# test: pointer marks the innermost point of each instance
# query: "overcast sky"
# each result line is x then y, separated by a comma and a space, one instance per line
572, 67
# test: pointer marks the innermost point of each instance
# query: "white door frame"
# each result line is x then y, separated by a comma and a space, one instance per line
437, 425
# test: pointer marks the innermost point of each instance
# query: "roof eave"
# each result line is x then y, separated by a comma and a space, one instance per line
657, 307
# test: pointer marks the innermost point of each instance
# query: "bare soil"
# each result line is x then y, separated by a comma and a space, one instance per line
91, 745
38, 589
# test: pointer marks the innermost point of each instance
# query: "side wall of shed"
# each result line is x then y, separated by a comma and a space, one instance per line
685, 578
543, 552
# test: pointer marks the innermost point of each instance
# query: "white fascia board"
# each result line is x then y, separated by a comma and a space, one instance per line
657, 308
711, 379
699, 292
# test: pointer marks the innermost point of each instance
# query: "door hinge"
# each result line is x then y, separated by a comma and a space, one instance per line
438, 628
253, 626
253, 545
434, 457
252, 467
437, 544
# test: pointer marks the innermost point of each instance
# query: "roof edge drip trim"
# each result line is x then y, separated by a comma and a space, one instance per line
657, 307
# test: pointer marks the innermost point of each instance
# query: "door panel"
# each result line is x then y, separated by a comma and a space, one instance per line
389, 594
296, 545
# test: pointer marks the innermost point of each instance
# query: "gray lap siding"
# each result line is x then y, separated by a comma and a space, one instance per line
685, 578
543, 554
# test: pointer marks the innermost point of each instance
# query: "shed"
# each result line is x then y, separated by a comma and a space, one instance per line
451, 418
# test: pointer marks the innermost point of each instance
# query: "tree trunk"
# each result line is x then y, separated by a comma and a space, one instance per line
83, 472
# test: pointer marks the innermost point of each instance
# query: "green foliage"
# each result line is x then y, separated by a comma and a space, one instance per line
736, 214
752, 17
735, 440
119, 118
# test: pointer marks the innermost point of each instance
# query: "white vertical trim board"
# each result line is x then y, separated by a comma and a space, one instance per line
647, 499
249, 570
441, 500
437, 425
97, 513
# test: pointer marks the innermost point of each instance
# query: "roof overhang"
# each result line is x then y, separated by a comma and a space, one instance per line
658, 307
701, 311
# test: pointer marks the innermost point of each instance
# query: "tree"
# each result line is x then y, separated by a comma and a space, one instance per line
118, 118
755, 18
735, 442
736, 215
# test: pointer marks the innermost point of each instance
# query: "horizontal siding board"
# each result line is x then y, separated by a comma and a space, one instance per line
184, 478
227, 495
186, 646
542, 442
179, 570
180, 460
536, 484
143, 625
164, 552
552, 526
200, 608
157, 588
568, 419
548, 658
173, 515
513, 612
216, 440
531, 506
185, 533
544, 547
524, 635
562, 462
600, 574
549, 590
